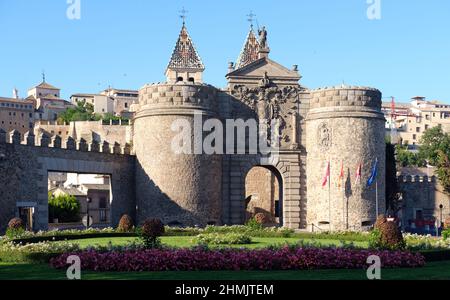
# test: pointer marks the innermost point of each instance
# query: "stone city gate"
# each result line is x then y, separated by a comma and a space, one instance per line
286, 167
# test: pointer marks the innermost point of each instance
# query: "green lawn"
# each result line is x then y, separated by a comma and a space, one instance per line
186, 241
432, 271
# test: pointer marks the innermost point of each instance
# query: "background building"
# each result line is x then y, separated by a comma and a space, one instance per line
48, 102
411, 120
16, 114
123, 99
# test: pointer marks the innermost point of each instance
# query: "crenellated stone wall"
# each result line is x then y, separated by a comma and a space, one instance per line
25, 163
425, 194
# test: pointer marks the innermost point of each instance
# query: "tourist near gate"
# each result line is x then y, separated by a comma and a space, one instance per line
340, 125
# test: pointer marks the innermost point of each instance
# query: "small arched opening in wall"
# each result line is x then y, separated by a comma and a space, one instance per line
264, 195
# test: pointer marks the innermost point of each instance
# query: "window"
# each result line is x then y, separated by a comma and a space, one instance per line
191, 79
126, 105
419, 214
427, 117
179, 79
417, 129
102, 203
414, 137
31, 115
427, 126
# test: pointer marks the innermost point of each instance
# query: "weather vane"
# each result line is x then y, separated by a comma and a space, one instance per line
251, 16
183, 15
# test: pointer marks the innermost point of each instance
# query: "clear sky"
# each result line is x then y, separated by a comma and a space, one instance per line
127, 43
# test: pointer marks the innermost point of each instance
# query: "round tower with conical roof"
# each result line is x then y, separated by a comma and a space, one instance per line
181, 188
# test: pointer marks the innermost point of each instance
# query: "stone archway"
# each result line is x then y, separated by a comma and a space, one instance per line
264, 194
289, 168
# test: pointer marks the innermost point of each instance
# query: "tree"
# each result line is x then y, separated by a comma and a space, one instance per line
65, 208
436, 150
83, 111
392, 190
434, 140
407, 158
443, 170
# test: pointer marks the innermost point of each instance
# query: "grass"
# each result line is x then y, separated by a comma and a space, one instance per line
186, 241
432, 271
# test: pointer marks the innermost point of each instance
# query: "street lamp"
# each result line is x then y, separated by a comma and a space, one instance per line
88, 200
440, 208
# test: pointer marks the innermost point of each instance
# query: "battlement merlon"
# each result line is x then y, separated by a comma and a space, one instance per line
416, 179
70, 144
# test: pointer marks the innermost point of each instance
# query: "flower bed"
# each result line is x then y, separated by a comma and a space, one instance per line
222, 239
236, 259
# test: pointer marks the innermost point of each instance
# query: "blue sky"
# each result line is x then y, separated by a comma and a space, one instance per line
126, 44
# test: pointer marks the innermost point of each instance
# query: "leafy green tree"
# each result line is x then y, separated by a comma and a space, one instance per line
83, 111
434, 140
443, 170
407, 158
65, 208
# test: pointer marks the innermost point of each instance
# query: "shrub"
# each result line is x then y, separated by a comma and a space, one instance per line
253, 224
34, 253
16, 223
261, 218
65, 208
16, 228
125, 224
150, 231
425, 242
447, 223
222, 239
386, 235
380, 221
446, 234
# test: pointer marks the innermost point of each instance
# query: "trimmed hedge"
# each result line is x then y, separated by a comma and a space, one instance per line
435, 255
38, 239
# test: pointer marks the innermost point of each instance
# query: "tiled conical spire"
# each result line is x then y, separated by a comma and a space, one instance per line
185, 56
250, 50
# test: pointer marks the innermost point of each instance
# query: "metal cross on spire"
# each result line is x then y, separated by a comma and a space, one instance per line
43, 76
251, 16
183, 15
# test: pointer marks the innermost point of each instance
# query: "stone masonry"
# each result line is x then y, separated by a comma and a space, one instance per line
340, 125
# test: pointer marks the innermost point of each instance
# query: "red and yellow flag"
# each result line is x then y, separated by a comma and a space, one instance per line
326, 177
341, 175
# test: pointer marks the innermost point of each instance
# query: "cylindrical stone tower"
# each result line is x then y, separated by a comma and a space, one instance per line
345, 127
177, 188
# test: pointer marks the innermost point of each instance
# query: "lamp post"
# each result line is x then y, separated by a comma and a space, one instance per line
88, 200
440, 210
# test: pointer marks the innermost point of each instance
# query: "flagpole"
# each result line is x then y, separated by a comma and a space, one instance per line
376, 196
329, 197
343, 199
